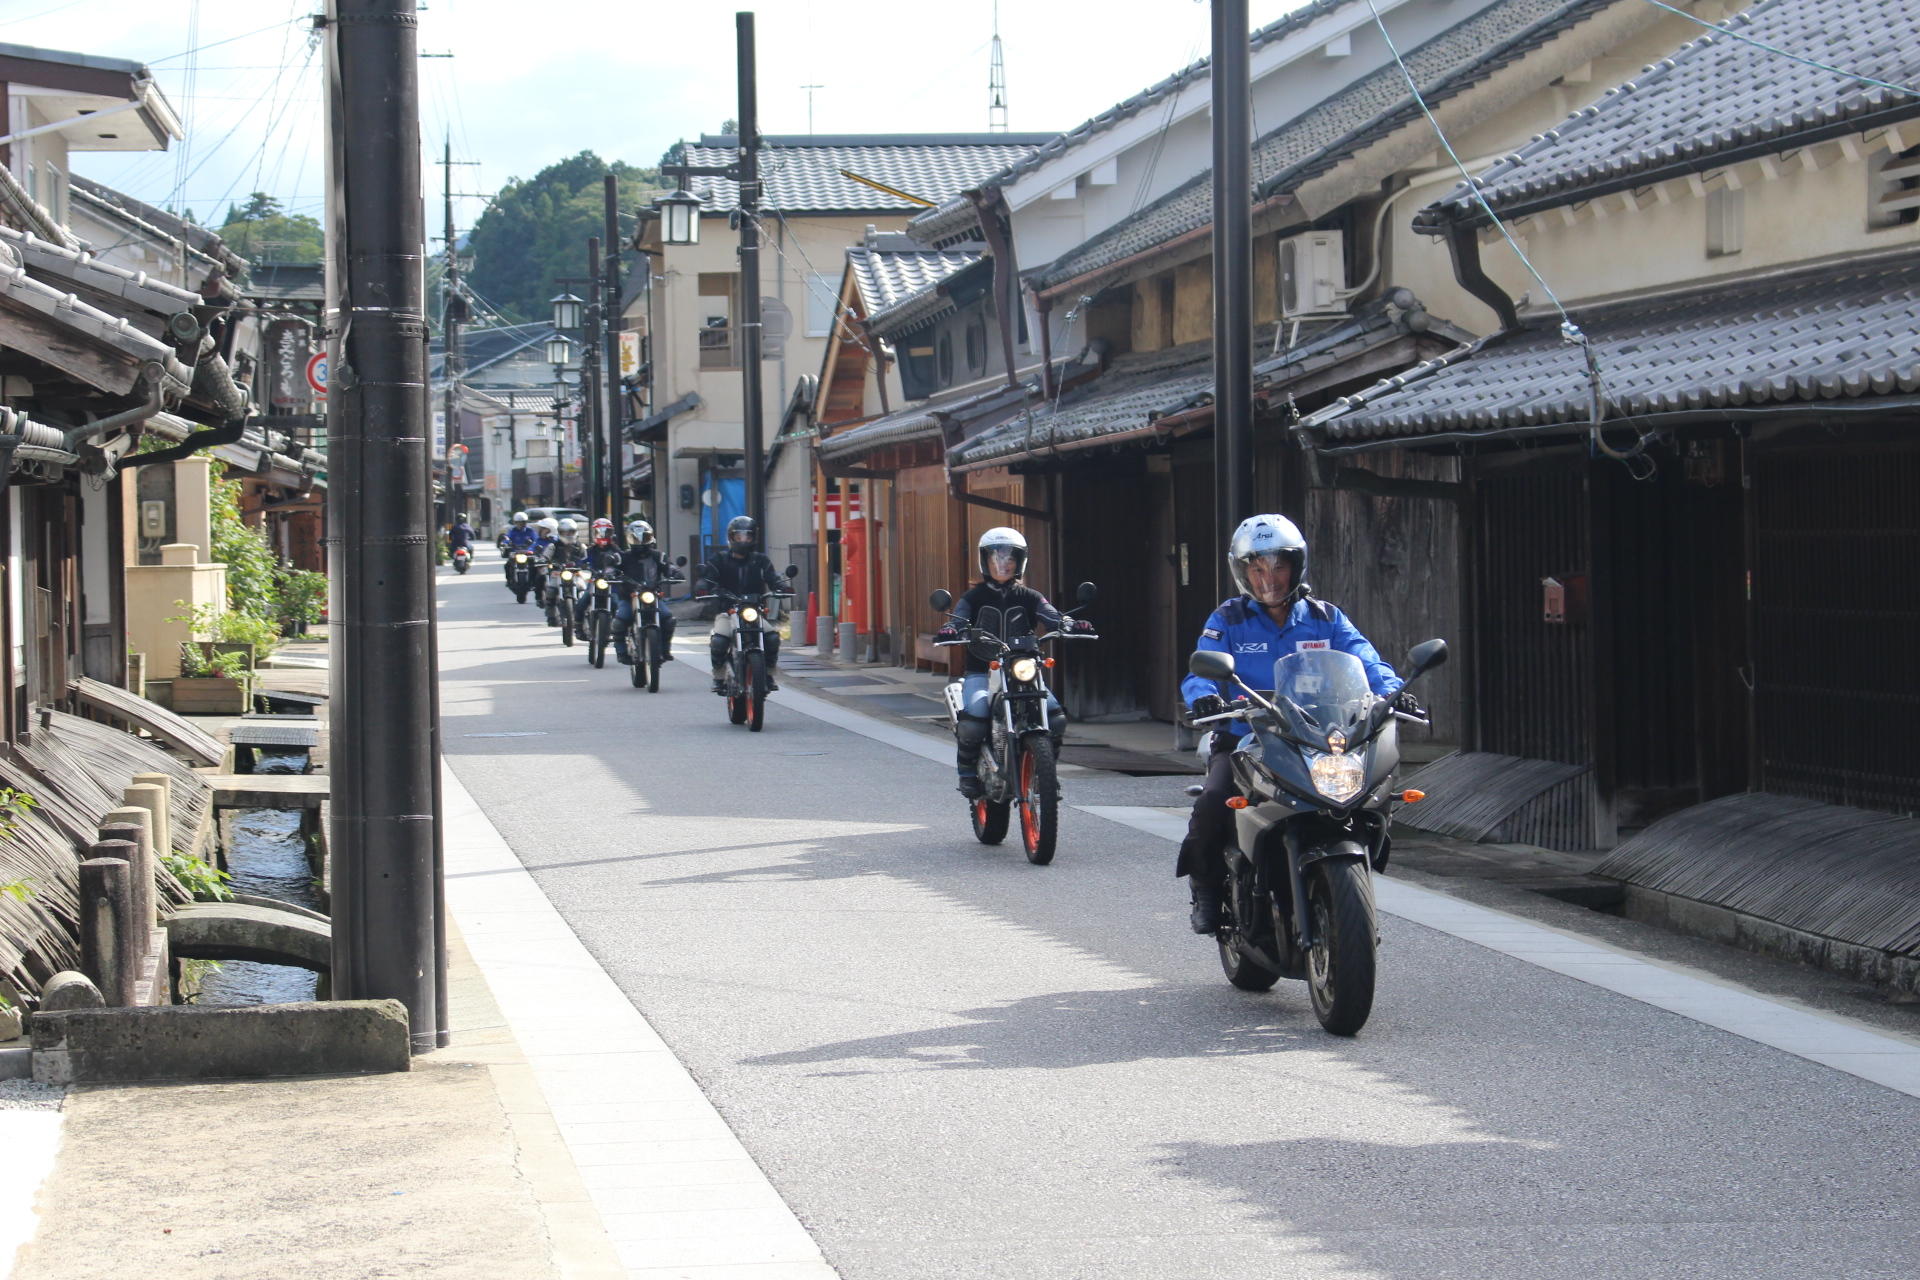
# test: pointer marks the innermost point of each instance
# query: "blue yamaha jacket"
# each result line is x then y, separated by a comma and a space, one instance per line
1244, 629
521, 538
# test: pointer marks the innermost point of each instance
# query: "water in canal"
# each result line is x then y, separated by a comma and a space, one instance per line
266, 855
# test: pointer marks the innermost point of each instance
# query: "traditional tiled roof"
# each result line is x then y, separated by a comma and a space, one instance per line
149, 302
926, 421
1831, 333
1716, 96
889, 269
802, 174
481, 348
199, 239
1333, 131
955, 216
51, 312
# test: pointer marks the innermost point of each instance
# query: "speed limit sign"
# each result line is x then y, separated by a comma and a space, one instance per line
317, 373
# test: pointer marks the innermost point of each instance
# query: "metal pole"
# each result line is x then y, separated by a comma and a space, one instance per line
591, 447
384, 797
1232, 275
616, 448
450, 333
750, 273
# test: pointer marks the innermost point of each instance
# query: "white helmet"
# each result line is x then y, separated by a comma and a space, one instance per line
549, 524
566, 529
1006, 541
640, 532
1273, 538
519, 517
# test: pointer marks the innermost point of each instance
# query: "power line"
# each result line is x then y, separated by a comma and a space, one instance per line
1727, 29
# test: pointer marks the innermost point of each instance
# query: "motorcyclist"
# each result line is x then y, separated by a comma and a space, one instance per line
1004, 606
643, 566
563, 552
519, 536
743, 571
460, 534
1274, 614
603, 549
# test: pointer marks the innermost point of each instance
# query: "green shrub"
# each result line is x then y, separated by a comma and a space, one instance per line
300, 596
243, 548
206, 882
223, 626
196, 663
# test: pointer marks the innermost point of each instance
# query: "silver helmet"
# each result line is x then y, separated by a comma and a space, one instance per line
1002, 541
639, 532
1264, 537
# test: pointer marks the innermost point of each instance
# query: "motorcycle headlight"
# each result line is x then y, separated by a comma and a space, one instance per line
519, 557
646, 597
1338, 778
749, 614
600, 584
566, 575
1025, 668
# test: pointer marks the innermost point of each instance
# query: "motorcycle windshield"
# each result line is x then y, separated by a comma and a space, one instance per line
1320, 690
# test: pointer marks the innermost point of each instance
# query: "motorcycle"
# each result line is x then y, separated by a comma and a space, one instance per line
746, 681
1017, 765
462, 559
563, 613
1311, 824
596, 616
522, 576
646, 643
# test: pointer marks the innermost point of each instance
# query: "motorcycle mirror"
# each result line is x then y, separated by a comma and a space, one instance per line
1211, 664
793, 571
942, 600
680, 562
1427, 655
1086, 593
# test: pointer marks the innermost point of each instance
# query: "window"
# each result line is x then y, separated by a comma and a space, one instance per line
714, 317
943, 360
976, 345
1893, 189
1726, 222
823, 300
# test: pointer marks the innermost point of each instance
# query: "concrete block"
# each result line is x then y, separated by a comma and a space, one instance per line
70, 989
184, 1042
16, 1062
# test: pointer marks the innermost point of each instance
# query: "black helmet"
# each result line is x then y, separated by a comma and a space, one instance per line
742, 534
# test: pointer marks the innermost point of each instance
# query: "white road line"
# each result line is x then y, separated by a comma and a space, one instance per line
596, 1059
31, 1141
1840, 1043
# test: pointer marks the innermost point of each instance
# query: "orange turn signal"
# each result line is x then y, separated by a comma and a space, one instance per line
1046, 662
1410, 796
994, 665
1236, 802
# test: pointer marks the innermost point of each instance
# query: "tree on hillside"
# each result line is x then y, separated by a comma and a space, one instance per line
535, 231
261, 231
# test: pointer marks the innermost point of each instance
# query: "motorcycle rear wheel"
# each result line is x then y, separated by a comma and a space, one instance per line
989, 820
1039, 798
1243, 971
756, 691
1340, 965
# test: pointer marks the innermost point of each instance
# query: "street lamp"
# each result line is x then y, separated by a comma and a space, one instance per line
560, 346
679, 217
566, 312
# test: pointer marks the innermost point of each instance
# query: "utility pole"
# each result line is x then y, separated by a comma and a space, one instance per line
616, 451
388, 935
453, 315
1232, 274
750, 273
592, 448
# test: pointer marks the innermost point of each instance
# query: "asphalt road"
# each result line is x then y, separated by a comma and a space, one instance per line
952, 1063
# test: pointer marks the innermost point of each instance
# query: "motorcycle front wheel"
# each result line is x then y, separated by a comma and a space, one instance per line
566, 624
1340, 964
597, 640
656, 654
756, 691
737, 700
640, 649
1039, 798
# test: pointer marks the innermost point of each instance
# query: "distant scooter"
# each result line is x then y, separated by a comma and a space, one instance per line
462, 559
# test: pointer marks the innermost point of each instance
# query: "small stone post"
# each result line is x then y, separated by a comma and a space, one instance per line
139, 869
106, 920
156, 799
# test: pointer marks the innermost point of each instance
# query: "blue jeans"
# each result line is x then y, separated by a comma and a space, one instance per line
623, 622
972, 731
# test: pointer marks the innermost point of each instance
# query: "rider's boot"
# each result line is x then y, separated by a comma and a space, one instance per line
1205, 917
971, 787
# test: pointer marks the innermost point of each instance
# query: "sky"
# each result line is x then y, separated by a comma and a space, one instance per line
623, 78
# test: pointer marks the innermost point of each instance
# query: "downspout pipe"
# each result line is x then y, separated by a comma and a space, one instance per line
1463, 246
155, 379
212, 381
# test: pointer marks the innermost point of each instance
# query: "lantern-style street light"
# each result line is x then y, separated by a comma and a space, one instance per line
560, 350
679, 217
566, 312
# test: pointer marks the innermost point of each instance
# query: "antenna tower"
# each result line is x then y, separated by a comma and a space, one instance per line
997, 81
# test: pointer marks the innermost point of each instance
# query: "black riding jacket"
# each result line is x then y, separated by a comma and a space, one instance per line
645, 566
746, 576
1008, 611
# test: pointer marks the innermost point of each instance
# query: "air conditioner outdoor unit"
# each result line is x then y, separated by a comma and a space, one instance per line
1313, 276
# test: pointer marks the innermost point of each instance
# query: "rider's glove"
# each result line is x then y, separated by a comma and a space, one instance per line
947, 634
1208, 704
1406, 703
1080, 627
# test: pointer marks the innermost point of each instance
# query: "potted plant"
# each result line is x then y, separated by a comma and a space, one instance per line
212, 683
251, 637
301, 599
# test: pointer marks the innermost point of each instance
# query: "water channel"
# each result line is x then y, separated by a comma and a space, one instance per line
267, 856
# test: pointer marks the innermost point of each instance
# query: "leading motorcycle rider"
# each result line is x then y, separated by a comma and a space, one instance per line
742, 570
643, 567
561, 553
1274, 614
520, 536
1004, 606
